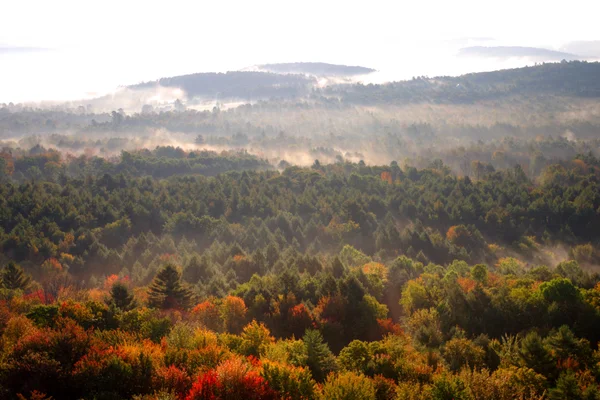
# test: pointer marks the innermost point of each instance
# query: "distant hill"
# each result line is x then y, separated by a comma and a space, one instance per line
516, 51
316, 68
245, 85
567, 78
289, 80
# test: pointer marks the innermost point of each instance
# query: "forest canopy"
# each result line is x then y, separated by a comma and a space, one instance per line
429, 239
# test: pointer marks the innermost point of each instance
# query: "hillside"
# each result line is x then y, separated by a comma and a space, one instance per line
567, 78
245, 85
574, 78
286, 80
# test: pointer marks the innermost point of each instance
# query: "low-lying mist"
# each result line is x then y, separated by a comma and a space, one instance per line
531, 117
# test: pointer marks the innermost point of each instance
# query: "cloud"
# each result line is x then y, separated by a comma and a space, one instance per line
504, 52
589, 48
21, 49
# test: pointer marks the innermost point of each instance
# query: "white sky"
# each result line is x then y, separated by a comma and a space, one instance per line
95, 46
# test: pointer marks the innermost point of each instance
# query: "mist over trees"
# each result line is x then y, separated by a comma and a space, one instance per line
430, 239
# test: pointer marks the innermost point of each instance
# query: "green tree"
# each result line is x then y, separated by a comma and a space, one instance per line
13, 277
166, 291
355, 357
536, 356
564, 344
479, 272
460, 352
320, 360
566, 388
121, 297
447, 387
337, 268
198, 268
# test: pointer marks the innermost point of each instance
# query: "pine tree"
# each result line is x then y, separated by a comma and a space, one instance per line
259, 261
121, 297
13, 277
337, 268
320, 360
166, 291
536, 356
272, 255
564, 344
328, 285
566, 388
198, 268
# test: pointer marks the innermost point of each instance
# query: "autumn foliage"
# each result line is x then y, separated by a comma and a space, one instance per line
233, 379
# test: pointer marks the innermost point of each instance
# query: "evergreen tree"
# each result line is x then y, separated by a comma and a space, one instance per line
13, 277
320, 360
566, 388
272, 255
121, 297
328, 285
564, 344
337, 268
197, 268
536, 356
166, 291
258, 262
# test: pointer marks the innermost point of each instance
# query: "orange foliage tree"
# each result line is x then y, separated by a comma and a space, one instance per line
208, 314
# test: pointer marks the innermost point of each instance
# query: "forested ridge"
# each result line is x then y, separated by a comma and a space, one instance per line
570, 78
567, 78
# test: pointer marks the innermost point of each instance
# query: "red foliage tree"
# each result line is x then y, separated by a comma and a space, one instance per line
233, 379
174, 380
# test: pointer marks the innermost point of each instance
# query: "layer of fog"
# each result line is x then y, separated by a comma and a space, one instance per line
68, 76
412, 134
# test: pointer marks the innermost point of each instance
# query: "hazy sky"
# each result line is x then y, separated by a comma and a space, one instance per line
63, 49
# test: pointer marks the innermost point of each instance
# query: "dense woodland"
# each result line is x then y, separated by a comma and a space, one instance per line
390, 268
